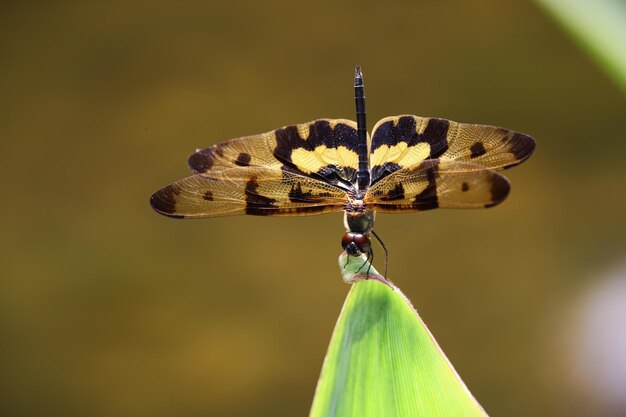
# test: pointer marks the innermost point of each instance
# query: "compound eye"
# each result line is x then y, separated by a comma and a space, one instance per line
362, 241
347, 238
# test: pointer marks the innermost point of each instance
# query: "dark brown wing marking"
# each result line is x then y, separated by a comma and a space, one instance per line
324, 149
256, 191
402, 141
437, 183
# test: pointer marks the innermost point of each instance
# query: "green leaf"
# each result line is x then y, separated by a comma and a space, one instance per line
600, 26
382, 360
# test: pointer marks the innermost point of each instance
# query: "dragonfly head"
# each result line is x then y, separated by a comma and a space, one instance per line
356, 243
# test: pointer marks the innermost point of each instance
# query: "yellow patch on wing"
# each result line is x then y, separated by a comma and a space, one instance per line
401, 154
321, 157
347, 157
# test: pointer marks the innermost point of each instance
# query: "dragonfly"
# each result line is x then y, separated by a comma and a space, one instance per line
409, 164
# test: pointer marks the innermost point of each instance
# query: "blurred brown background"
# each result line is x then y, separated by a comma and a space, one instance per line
108, 309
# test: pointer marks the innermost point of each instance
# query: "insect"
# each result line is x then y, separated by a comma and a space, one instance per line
409, 164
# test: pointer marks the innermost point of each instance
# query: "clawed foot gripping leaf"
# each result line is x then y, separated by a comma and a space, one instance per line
382, 360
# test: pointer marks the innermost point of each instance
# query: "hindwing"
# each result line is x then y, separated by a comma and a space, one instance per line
437, 183
262, 191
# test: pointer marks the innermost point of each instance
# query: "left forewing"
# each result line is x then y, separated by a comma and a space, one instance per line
323, 148
435, 183
250, 190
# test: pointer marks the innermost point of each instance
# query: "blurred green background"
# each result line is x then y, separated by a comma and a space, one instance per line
108, 309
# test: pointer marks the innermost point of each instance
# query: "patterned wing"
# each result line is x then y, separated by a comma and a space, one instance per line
437, 183
401, 141
258, 191
324, 149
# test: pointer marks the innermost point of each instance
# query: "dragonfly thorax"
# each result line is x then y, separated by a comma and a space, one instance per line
358, 220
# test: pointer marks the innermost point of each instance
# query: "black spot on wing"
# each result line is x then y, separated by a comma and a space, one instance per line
405, 130
219, 149
201, 161
390, 133
477, 149
436, 135
164, 201
296, 195
465, 187
208, 196
521, 146
396, 193
427, 199
257, 204
346, 136
287, 139
243, 159
320, 133
384, 135
500, 188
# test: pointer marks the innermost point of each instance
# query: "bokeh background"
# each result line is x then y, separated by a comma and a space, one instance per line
108, 309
